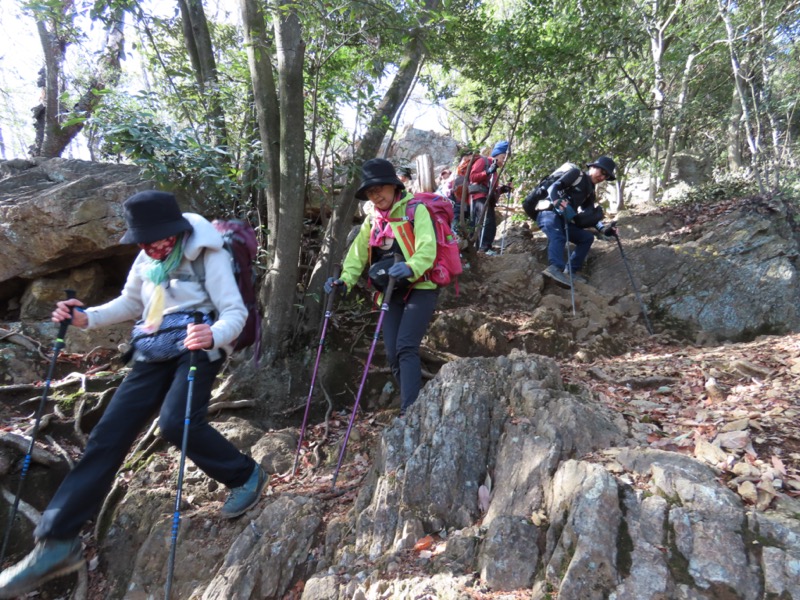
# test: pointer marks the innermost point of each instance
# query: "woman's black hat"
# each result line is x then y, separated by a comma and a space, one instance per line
377, 171
152, 216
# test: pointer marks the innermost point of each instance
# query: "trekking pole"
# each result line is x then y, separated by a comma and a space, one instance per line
635, 289
384, 309
328, 312
486, 208
563, 213
176, 516
505, 222
58, 345
569, 265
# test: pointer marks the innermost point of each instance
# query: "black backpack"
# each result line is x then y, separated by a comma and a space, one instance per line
540, 191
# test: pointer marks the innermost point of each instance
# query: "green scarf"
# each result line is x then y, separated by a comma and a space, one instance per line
157, 272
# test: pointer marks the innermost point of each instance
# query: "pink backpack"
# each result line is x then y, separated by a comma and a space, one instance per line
447, 265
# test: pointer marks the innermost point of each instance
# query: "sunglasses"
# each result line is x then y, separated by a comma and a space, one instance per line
605, 174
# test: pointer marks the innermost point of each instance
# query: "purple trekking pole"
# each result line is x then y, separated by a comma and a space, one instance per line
337, 270
384, 309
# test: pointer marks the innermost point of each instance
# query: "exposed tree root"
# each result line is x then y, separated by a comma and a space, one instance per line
21, 443
30, 513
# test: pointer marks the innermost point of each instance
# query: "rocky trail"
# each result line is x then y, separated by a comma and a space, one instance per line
731, 406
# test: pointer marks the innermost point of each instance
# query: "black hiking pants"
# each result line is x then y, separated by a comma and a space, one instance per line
147, 388
404, 326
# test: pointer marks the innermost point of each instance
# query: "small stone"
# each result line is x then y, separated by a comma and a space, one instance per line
747, 490
709, 453
737, 425
733, 439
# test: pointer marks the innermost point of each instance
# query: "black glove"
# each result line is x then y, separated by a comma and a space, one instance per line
492, 168
504, 189
608, 229
331, 283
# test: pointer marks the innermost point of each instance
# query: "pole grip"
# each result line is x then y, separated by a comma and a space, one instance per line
387, 295
337, 272
62, 327
198, 317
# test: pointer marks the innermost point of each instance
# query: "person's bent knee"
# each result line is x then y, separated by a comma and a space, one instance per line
171, 428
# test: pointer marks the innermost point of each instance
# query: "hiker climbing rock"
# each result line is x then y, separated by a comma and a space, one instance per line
163, 291
569, 209
380, 238
484, 191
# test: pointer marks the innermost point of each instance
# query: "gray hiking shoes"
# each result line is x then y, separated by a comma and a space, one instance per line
48, 559
554, 273
576, 277
562, 277
243, 498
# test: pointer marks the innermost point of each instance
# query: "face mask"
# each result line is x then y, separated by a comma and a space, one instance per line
159, 250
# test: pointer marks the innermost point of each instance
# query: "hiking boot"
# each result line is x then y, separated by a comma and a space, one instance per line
243, 498
49, 559
554, 273
576, 277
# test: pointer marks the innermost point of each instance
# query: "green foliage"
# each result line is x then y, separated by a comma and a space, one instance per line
174, 155
725, 185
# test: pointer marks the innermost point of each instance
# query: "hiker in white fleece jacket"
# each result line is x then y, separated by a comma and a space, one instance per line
163, 292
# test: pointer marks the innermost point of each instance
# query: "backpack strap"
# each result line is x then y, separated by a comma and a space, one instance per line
199, 268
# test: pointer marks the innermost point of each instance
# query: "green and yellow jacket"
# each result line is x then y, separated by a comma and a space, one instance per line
417, 242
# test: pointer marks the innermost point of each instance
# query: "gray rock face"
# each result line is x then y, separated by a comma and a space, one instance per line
732, 281
572, 510
413, 142
57, 214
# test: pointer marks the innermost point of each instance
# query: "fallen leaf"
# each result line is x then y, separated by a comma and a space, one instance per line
778, 464
423, 544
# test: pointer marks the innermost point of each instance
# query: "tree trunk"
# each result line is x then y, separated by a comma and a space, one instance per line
741, 93
267, 112
676, 128
658, 45
201, 52
54, 51
333, 245
55, 130
735, 161
278, 292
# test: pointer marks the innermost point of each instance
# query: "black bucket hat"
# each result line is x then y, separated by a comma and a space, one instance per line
152, 216
607, 164
377, 171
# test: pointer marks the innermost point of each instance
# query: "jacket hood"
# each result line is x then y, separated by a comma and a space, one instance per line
204, 235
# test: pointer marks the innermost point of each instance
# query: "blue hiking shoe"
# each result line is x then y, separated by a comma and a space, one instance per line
49, 559
243, 498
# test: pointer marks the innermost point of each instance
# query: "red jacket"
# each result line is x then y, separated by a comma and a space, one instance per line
479, 179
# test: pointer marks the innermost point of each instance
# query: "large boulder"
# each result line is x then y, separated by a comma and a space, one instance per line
536, 488
57, 214
732, 277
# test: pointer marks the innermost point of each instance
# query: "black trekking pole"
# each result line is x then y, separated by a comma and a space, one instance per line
387, 296
486, 208
328, 312
58, 345
176, 516
505, 221
562, 212
635, 288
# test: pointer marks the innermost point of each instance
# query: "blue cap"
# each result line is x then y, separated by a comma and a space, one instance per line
500, 148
